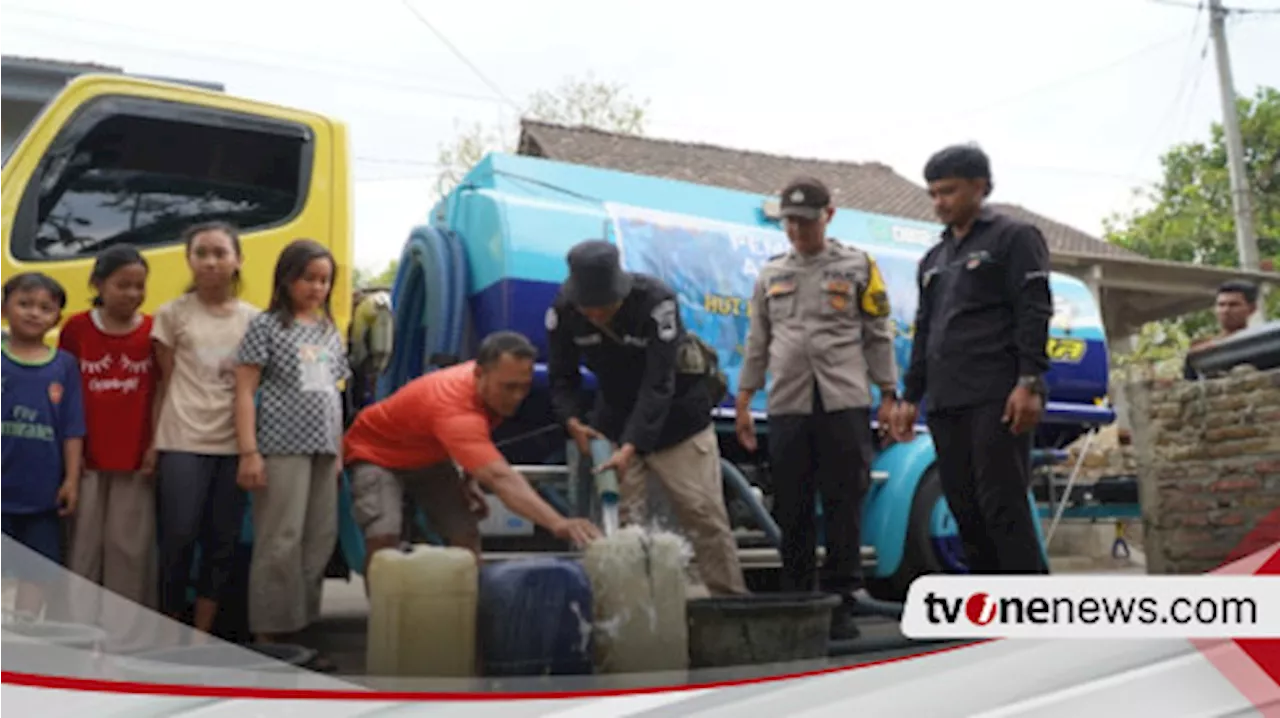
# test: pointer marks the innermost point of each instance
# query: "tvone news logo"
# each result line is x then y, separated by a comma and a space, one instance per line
983, 609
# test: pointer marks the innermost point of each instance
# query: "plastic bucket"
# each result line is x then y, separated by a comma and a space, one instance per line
759, 628
218, 663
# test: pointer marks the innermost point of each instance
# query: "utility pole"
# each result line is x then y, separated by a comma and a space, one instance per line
1241, 201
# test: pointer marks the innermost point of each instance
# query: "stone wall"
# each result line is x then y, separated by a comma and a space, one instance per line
1208, 463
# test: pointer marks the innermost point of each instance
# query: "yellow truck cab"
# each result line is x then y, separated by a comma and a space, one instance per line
115, 159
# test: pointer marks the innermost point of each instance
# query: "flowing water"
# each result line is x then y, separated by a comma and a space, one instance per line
609, 519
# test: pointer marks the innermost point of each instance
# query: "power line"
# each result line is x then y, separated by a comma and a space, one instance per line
1226, 10
1190, 73
1191, 97
458, 54
360, 78
397, 161
1008, 99
222, 42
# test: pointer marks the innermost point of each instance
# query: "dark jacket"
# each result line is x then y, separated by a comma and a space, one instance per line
641, 398
983, 314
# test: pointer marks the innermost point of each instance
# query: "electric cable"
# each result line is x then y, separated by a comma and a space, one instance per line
458, 54
353, 78
1187, 78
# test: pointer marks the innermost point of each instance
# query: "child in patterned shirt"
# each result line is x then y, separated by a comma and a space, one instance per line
293, 356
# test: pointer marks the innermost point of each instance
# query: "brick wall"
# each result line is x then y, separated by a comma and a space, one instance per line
1208, 459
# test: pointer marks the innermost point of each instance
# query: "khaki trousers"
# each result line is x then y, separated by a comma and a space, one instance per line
113, 545
689, 474
295, 527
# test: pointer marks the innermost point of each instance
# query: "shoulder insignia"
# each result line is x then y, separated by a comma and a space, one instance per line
665, 316
875, 297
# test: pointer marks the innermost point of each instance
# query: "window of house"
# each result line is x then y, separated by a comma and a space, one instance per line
139, 172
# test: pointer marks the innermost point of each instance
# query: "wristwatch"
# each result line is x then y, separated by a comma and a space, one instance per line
1034, 383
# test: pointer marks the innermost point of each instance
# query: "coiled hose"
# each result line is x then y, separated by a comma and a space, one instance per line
428, 298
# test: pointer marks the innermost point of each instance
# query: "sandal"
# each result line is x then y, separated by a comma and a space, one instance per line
321, 664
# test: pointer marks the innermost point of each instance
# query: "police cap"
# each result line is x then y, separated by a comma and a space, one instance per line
805, 198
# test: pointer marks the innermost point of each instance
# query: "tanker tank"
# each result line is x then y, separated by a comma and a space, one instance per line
513, 218
493, 257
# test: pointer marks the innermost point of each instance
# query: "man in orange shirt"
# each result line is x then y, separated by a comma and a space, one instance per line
419, 437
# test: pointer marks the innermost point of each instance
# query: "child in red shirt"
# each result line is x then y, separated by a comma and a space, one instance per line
113, 539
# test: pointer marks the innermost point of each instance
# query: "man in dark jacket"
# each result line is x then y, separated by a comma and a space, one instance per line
653, 404
979, 356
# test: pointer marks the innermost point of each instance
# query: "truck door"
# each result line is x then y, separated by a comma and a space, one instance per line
119, 160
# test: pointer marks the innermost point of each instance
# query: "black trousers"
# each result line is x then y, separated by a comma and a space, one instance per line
198, 501
985, 472
828, 453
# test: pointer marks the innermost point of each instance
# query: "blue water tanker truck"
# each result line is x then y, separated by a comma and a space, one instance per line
492, 256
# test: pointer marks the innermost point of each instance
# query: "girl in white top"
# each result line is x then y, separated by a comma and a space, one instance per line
196, 337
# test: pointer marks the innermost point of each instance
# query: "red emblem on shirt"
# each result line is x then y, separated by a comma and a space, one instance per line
55, 392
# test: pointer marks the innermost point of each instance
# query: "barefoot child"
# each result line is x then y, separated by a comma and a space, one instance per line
43, 430
195, 338
289, 445
113, 541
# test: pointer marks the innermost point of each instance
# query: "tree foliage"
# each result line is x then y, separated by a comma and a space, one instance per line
577, 101
1190, 217
364, 279
583, 101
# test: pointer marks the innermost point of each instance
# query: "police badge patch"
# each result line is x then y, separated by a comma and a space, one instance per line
664, 315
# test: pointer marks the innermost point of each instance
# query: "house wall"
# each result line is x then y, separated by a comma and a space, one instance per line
1208, 459
15, 116
30, 83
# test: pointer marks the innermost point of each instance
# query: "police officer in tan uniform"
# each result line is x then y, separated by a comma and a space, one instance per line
820, 324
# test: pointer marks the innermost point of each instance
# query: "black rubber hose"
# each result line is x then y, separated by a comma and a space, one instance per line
735, 479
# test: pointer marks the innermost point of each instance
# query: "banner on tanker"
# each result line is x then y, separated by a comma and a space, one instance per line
712, 267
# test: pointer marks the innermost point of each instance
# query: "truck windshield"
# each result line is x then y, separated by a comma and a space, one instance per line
105, 206
141, 180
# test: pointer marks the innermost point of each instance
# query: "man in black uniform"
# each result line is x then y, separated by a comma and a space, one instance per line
654, 402
979, 356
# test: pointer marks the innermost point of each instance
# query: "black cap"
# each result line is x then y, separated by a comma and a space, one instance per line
805, 197
595, 278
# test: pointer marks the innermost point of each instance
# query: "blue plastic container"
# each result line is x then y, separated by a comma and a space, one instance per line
535, 618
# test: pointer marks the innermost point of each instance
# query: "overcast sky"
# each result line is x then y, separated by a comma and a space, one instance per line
1075, 101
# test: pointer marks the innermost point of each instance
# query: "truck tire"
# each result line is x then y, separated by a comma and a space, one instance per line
919, 557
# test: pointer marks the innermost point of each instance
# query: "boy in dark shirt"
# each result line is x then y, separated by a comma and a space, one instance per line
43, 431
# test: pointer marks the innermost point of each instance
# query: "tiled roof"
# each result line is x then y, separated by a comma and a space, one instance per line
869, 186
51, 63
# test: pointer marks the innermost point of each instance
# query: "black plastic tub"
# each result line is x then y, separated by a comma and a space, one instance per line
759, 628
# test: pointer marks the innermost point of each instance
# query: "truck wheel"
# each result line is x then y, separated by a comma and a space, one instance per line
931, 546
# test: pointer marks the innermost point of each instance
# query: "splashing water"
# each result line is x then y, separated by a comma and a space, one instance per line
609, 519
